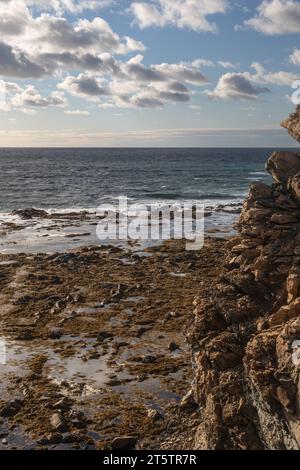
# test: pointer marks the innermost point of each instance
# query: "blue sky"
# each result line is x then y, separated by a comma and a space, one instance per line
192, 73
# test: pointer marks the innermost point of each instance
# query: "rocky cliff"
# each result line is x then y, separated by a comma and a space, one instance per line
246, 331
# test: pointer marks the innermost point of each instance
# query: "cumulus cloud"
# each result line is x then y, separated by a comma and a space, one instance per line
30, 97
132, 84
187, 71
84, 85
244, 85
191, 14
276, 17
236, 86
36, 43
45, 44
261, 75
74, 6
15, 63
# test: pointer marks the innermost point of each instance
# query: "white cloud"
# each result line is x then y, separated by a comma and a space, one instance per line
74, 6
244, 85
28, 99
31, 98
295, 57
191, 14
236, 86
261, 75
84, 85
77, 112
226, 64
45, 44
132, 84
276, 17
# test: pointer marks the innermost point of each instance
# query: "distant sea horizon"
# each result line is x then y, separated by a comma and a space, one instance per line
73, 177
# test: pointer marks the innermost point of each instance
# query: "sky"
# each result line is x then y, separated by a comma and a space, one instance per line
124, 73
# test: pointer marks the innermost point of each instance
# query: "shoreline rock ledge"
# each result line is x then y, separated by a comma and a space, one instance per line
245, 333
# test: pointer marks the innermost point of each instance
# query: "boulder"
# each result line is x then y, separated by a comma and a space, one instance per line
283, 165
292, 124
294, 187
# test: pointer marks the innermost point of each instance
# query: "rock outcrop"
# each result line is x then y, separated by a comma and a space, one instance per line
246, 331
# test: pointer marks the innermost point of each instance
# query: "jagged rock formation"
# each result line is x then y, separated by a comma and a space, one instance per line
247, 324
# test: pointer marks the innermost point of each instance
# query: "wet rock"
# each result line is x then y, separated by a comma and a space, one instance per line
31, 213
71, 438
141, 331
63, 404
148, 359
55, 333
103, 335
188, 401
54, 438
142, 377
92, 355
58, 422
123, 443
43, 441
9, 263
11, 409
25, 335
154, 415
78, 419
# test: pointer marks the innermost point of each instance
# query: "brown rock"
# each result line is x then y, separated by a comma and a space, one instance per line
284, 218
283, 165
285, 313
58, 422
294, 186
293, 286
292, 124
123, 443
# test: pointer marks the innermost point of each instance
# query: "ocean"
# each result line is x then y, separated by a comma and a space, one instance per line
85, 178
68, 180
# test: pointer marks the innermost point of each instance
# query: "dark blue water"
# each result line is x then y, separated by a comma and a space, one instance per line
84, 178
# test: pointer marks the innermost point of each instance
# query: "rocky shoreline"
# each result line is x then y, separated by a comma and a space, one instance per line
246, 331
96, 349
96, 346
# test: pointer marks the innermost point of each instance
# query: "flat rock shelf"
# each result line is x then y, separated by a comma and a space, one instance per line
96, 353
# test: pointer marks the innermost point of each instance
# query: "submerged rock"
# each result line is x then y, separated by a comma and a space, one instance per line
31, 213
11, 409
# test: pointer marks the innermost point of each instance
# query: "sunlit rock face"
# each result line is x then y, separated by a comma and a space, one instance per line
246, 331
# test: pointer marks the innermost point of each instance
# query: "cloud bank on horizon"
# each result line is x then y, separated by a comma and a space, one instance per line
102, 61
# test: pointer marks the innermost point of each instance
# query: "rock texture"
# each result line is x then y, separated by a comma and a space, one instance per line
246, 331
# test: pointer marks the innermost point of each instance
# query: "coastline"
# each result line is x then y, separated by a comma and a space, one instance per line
96, 348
